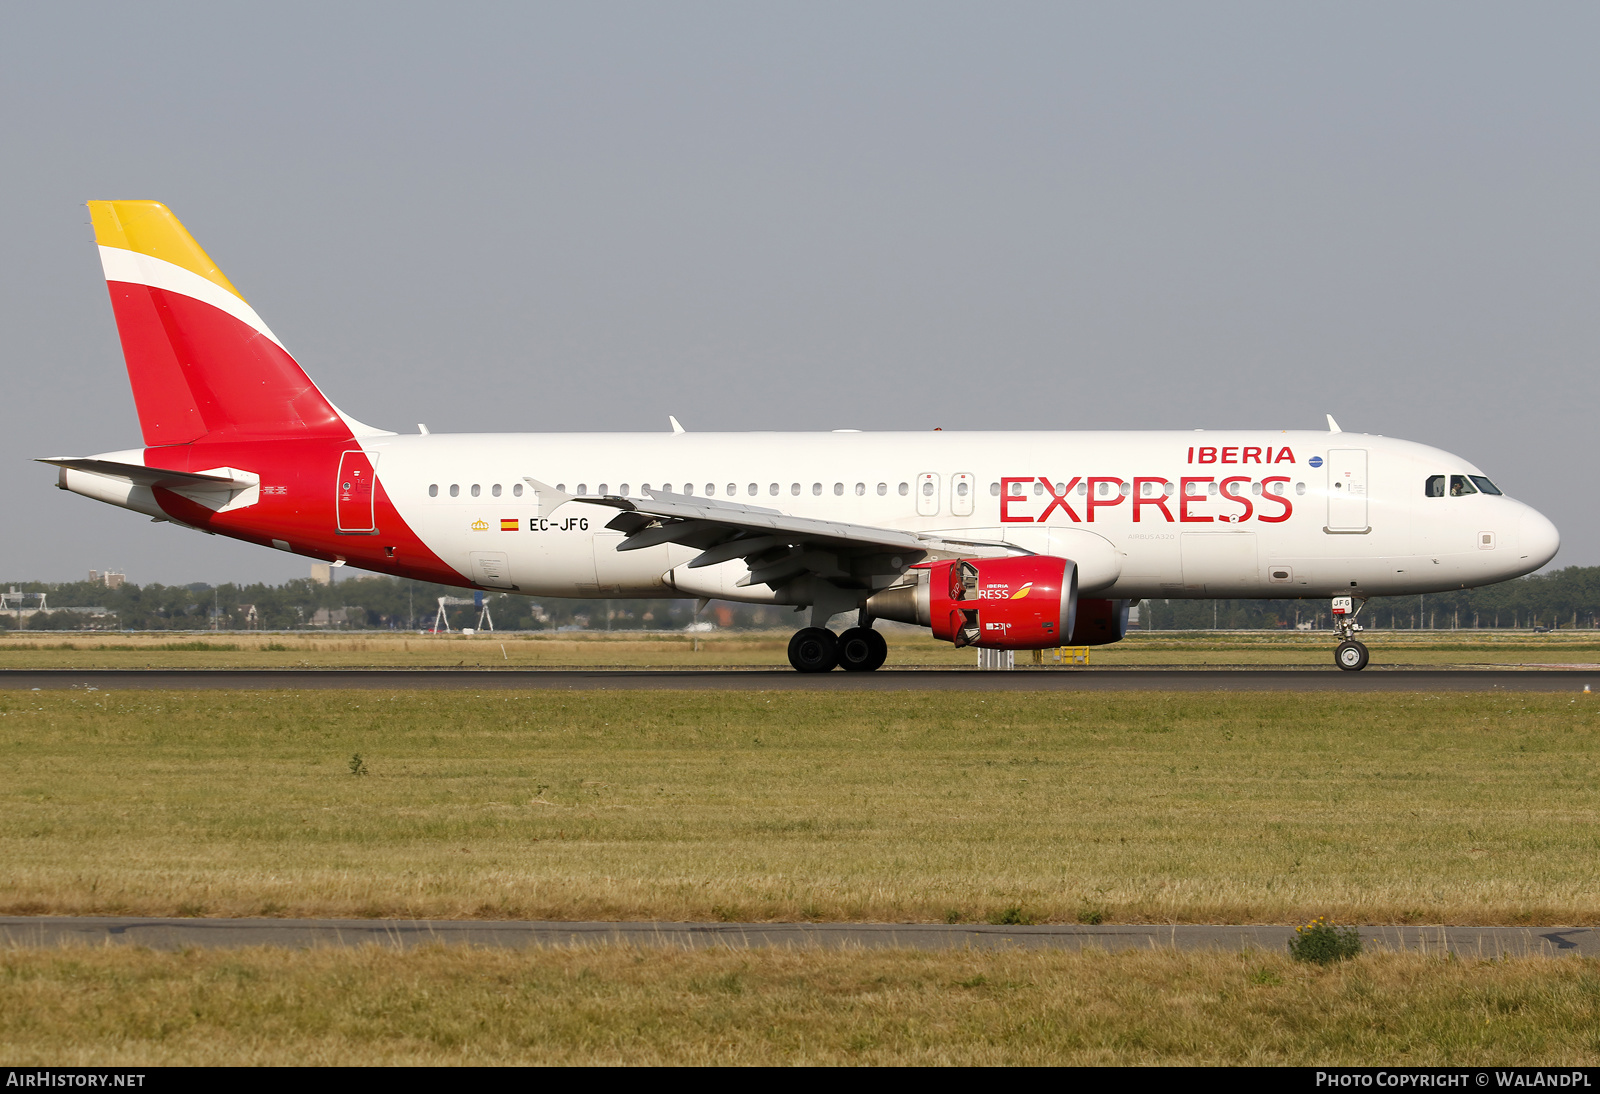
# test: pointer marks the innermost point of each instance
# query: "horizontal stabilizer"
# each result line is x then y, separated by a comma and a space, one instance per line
141, 475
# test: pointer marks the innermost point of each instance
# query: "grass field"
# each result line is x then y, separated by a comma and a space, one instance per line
1156, 807
745, 649
128, 1007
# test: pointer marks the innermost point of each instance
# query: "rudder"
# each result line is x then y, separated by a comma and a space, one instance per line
201, 362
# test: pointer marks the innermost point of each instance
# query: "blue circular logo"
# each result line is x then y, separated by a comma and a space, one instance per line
1316, 461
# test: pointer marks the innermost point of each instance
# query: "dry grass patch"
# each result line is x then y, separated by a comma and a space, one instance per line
1153, 807
607, 1005
742, 649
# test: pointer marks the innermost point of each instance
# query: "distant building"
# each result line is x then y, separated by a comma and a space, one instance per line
335, 617
322, 573
111, 579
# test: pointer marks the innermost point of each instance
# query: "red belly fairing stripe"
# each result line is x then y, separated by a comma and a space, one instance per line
298, 506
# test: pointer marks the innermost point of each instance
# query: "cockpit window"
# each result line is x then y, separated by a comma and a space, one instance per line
1485, 485
1434, 487
1460, 485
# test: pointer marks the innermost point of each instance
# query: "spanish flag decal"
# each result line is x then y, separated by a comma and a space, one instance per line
1022, 592
508, 524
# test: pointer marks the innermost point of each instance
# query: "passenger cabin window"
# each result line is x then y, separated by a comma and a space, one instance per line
794, 488
838, 489
455, 490
994, 490
861, 489
711, 489
733, 489
516, 490
773, 489
905, 488
1460, 486
495, 490
476, 489
961, 490
816, 489
1485, 485
601, 489
433, 491
583, 489
754, 489
1434, 487
623, 490
927, 489
883, 488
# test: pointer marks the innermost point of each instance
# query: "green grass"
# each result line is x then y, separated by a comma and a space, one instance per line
1155, 807
127, 1007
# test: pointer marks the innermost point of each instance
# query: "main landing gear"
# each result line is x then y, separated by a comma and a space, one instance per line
1350, 655
817, 649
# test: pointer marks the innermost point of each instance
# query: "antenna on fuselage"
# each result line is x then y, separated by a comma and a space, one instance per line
1333, 426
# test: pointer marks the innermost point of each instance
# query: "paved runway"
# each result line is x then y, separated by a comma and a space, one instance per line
173, 934
1174, 678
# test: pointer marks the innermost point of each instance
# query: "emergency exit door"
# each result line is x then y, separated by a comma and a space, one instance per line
355, 495
1347, 490
927, 494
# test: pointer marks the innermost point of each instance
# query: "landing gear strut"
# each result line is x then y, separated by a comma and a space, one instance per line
1350, 655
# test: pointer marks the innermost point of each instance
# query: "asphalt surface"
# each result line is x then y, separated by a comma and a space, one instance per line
1174, 678
175, 934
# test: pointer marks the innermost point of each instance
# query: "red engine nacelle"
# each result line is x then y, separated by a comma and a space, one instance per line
1024, 603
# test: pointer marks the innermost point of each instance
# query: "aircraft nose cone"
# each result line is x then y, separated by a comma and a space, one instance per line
1538, 539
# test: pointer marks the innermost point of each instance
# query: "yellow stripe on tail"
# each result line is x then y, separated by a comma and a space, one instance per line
149, 228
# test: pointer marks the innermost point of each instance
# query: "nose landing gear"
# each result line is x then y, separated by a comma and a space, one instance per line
1350, 655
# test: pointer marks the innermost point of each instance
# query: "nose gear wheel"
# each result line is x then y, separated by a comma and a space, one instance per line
1350, 656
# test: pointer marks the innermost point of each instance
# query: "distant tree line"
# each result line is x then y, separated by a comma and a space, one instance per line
1563, 598
365, 602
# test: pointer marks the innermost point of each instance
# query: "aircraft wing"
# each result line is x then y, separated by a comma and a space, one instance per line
776, 546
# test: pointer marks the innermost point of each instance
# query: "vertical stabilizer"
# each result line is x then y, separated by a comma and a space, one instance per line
201, 361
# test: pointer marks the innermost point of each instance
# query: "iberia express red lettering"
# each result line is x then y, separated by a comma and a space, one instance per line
1006, 499
1159, 500
1184, 499
1094, 494
1237, 495
1268, 495
1060, 500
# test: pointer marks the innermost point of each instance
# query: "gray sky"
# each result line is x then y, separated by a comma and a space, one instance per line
813, 216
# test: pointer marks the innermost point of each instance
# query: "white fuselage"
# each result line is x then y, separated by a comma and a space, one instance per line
1354, 515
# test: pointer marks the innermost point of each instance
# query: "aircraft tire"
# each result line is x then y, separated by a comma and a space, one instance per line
862, 649
813, 649
1351, 656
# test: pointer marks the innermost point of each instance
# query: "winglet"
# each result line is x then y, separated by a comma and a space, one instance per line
1333, 426
676, 428
549, 498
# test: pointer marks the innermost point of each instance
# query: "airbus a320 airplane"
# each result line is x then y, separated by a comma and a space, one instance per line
1010, 541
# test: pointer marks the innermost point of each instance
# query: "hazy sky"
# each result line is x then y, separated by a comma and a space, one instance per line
812, 216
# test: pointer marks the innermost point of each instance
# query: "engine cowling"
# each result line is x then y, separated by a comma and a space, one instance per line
1024, 603
1099, 622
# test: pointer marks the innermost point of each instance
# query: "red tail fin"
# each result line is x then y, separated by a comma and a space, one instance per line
201, 361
